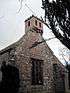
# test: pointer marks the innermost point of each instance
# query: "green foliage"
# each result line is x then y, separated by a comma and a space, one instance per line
58, 14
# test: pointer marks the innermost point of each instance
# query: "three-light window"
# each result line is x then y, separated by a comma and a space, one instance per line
37, 72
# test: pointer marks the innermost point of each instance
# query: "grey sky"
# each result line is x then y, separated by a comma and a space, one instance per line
12, 22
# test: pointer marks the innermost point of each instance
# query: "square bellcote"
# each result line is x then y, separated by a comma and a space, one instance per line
34, 22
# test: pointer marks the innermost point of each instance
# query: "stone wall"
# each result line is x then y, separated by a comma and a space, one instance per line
60, 74
22, 52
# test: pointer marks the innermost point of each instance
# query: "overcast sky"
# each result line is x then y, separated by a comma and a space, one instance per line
12, 22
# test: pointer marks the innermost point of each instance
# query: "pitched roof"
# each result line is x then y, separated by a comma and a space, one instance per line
34, 17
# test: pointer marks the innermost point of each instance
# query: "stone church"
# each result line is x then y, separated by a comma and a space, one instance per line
39, 69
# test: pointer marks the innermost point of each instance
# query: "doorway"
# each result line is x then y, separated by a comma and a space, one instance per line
10, 79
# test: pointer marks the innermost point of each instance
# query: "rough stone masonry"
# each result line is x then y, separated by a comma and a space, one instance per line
39, 70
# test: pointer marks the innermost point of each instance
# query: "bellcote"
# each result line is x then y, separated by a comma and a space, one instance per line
34, 23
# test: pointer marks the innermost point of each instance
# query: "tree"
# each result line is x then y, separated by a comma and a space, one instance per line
58, 15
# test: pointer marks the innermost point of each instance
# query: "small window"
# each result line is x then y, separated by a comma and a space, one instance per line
28, 23
36, 22
39, 24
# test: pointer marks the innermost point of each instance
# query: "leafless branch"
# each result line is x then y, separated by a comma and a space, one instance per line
37, 43
21, 1
30, 9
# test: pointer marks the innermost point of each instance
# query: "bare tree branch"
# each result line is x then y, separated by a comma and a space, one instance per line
21, 1
37, 43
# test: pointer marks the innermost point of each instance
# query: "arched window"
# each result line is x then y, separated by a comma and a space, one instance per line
36, 22
28, 23
39, 24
